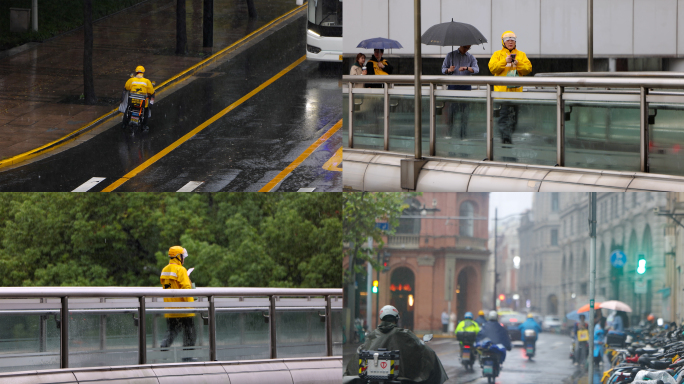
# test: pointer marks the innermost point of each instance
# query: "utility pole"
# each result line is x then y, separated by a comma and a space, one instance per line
418, 68
369, 285
590, 35
592, 277
496, 274
351, 292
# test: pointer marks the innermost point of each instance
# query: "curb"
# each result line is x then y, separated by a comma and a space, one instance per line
180, 76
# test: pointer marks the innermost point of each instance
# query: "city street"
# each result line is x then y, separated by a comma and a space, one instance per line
240, 124
550, 365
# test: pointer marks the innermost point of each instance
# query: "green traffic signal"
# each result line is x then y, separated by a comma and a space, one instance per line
641, 268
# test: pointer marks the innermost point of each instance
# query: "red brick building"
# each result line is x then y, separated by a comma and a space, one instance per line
437, 259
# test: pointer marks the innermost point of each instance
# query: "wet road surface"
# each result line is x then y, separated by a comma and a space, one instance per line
241, 151
550, 365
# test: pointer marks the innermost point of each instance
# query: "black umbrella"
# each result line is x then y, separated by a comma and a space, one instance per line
452, 33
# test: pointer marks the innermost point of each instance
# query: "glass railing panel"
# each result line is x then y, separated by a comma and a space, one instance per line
461, 127
21, 347
337, 337
666, 149
102, 340
602, 135
369, 122
300, 334
525, 131
180, 339
402, 123
242, 336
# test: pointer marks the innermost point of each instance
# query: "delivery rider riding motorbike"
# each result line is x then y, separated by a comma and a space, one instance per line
418, 362
140, 85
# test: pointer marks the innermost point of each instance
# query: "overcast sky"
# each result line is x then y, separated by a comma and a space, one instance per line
508, 203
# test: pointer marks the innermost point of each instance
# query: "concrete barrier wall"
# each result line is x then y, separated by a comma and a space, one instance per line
324, 370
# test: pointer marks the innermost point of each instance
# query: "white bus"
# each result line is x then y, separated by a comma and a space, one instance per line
324, 32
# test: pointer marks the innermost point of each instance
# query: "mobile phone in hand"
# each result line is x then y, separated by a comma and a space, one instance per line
512, 56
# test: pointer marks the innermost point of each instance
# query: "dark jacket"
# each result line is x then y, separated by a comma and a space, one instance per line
480, 321
493, 331
419, 363
370, 68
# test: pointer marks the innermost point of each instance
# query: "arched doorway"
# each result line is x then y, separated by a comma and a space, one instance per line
402, 293
552, 305
464, 284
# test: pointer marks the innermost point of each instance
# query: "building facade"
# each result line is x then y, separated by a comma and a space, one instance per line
437, 259
556, 280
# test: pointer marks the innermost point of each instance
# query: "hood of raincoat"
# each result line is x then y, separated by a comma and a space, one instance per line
418, 362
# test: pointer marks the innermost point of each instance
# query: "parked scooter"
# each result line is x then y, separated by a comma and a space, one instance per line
530, 343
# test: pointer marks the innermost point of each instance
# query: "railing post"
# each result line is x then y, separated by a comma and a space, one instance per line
142, 336
272, 327
560, 127
212, 329
490, 123
351, 116
43, 333
328, 326
64, 334
432, 119
103, 329
643, 106
386, 116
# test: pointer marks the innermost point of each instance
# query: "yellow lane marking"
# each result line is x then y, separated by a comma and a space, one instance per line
79, 132
199, 128
283, 174
333, 163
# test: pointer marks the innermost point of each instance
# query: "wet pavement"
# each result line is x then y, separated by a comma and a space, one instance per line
40, 83
241, 151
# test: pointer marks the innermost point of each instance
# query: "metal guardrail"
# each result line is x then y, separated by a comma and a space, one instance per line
642, 92
141, 293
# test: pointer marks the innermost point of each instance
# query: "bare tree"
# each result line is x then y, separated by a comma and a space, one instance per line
88, 83
181, 36
251, 9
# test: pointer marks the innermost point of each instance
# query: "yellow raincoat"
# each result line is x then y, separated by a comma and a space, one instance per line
175, 276
499, 67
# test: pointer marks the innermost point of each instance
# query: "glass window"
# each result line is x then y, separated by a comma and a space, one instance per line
554, 237
467, 226
554, 202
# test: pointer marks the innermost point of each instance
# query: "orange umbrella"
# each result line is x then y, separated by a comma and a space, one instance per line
585, 307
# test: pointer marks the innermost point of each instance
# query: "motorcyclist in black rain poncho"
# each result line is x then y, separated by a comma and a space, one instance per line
418, 362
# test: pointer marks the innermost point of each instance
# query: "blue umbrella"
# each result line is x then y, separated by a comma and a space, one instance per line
573, 316
379, 43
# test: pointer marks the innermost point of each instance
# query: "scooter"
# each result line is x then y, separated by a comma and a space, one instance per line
468, 352
378, 367
530, 343
137, 111
491, 357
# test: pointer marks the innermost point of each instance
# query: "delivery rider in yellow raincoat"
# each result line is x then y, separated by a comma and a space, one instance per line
503, 61
175, 276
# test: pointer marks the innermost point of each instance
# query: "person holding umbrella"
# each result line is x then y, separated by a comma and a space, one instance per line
460, 63
508, 61
378, 66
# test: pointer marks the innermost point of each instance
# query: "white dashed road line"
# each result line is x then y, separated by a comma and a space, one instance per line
191, 186
306, 189
85, 187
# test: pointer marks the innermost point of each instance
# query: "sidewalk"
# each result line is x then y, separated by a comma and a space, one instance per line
40, 85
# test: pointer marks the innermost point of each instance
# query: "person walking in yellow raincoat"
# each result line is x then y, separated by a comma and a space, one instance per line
503, 61
175, 276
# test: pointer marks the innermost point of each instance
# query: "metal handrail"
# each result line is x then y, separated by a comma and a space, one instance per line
644, 86
273, 294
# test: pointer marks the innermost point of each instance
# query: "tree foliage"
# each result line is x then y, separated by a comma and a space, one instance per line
233, 239
361, 212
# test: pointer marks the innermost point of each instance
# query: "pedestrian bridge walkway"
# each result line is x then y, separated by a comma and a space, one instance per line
619, 133
116, 332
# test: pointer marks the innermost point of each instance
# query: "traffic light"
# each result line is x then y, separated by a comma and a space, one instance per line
502, 297
375, 286
641, 266
385, 261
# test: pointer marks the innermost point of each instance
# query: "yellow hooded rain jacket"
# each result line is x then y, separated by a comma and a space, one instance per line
499, 67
